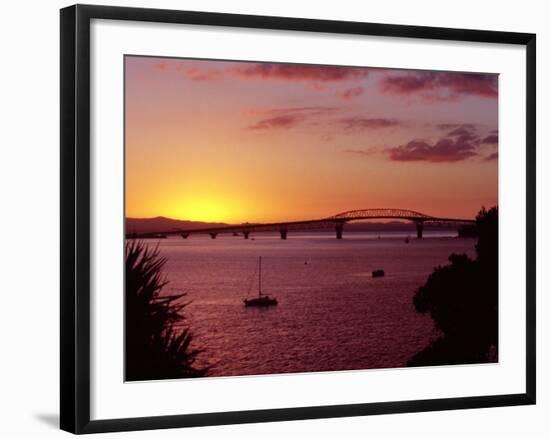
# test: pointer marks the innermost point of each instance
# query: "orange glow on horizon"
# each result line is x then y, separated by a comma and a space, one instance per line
207, 208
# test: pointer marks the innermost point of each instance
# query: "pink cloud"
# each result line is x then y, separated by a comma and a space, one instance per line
463, 130
312, 109
192, 73
491, 139
195, 74
316, 75
447, 149
298, 72
451, 126
458, 144
352, 92
287, 117
284, 121
358, 122
446, 85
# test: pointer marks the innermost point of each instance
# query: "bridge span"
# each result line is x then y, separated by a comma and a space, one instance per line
335, 222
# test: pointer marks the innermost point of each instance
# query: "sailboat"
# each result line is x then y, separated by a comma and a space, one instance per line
262, 299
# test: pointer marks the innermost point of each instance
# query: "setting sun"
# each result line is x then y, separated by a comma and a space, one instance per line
204, 208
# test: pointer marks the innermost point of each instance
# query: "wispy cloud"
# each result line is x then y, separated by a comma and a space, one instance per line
287, 117
268, 71
284, 121
298, 72
161, 65
458, 144
491, 139
196, 74
352, 93
312, 109
190, 72
361, 123
452, 126
444, 150
442, 85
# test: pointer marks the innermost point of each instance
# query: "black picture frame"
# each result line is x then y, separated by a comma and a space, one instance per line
75, 217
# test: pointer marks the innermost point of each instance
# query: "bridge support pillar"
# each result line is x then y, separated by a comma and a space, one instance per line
283, 231
185, 235
245, 234
213, 235
339, 230
419, 229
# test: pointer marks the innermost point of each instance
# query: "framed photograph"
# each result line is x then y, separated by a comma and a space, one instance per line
268, 218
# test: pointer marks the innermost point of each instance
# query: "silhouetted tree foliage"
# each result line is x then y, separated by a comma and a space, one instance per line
462, 299
157, 345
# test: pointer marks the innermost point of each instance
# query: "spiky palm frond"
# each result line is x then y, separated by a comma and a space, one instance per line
158, 341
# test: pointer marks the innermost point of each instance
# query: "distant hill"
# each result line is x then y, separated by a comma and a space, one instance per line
163, 224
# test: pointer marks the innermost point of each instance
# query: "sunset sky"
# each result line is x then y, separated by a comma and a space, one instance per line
258, 142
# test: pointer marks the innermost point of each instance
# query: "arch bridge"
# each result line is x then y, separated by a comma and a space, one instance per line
336, 222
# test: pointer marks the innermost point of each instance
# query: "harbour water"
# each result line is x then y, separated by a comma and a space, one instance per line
332, 314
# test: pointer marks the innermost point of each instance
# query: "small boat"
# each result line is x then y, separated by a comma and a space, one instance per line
156, 236
378, 273
262, 300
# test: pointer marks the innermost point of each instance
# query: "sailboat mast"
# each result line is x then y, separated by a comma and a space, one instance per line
260, 278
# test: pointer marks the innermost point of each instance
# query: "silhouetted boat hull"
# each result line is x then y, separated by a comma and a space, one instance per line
260, 301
